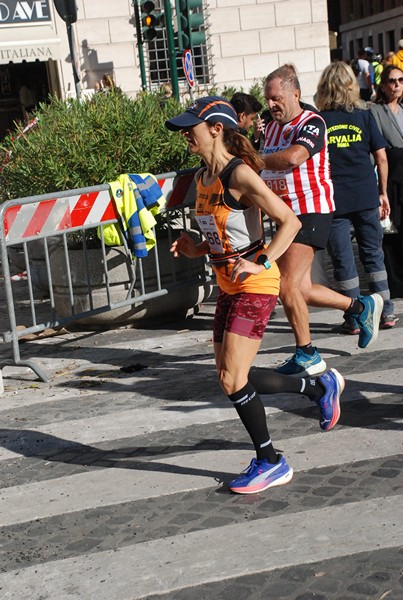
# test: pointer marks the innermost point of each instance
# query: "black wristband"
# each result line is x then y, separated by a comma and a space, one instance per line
264, 261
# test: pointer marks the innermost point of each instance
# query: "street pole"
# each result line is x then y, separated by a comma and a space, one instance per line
67, 10
73, 54
140, 44
171, 48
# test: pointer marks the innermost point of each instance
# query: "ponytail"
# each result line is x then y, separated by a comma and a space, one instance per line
239, 145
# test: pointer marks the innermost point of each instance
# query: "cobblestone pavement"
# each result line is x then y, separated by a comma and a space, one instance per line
113, 482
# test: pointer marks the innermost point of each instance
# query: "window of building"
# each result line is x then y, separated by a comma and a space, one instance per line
380, 44
351, 46
391, 40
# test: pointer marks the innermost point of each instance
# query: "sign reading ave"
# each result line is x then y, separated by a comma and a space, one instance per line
25, 12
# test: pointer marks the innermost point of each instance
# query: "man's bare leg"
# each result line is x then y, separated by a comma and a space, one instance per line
295, 267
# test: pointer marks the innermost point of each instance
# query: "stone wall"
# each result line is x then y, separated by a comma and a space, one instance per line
249, 38
252, 38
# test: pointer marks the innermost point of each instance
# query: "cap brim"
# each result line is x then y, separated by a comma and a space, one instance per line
182, 122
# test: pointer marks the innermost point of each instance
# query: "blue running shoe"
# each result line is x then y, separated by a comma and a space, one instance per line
261, 475
302, 364
368, 320
329, 404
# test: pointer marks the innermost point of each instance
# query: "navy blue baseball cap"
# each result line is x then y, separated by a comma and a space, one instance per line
214, 109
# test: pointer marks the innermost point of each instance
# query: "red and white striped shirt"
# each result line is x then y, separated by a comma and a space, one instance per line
307, 188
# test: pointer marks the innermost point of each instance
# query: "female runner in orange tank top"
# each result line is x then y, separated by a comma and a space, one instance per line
228, 210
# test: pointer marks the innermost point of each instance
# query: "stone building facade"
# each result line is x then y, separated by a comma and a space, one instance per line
245, 41
374, 23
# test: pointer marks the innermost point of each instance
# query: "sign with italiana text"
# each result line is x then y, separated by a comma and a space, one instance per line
24, 12
29, 52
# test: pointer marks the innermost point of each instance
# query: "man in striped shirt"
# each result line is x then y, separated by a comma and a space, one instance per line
297, 170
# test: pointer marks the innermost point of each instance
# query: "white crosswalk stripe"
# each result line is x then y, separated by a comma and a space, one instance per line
90, 461
188, 560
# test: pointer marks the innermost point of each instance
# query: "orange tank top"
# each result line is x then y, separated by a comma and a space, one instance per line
231, 230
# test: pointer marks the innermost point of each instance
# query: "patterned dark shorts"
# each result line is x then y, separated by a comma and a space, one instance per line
245, 314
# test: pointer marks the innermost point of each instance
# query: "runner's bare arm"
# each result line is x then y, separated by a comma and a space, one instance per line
247, 187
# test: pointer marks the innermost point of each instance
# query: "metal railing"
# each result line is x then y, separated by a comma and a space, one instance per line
44, 226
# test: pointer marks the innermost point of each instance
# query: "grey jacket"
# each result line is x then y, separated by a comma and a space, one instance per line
387, 123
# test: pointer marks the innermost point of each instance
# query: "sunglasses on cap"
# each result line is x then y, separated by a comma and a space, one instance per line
395, 80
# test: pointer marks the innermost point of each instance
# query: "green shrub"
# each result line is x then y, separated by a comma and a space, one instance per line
84, 143
257, 90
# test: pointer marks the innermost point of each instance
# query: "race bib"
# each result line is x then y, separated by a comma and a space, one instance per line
278, 185
209, 229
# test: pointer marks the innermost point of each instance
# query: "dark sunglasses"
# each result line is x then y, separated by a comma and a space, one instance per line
395, 80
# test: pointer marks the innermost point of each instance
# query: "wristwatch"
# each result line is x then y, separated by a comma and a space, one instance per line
263, 260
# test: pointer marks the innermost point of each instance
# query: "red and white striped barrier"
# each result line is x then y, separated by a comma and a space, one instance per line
47, 217
178, 190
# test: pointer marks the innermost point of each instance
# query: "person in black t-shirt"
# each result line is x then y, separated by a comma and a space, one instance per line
360, 196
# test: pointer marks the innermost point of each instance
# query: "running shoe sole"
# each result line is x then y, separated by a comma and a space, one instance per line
312, 370
336, 413
261, 487
348, 330
388, 324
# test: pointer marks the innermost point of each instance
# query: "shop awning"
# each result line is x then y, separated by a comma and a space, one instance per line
28, 43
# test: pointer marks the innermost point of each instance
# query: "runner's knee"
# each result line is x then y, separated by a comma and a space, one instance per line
230, 382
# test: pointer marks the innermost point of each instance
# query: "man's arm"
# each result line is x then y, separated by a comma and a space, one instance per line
283, 160
310, 140
367, 76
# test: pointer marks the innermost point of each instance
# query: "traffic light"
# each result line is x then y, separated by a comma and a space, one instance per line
190, 21
151, 19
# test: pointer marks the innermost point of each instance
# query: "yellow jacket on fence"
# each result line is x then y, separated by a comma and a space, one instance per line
138, 198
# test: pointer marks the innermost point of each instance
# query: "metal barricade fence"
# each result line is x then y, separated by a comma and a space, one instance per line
44, 225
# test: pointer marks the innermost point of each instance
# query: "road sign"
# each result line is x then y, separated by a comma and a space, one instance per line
187, 61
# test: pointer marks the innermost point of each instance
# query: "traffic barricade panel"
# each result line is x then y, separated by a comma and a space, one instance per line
41, 226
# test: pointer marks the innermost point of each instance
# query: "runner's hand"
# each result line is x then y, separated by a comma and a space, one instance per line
185, 245
241, 265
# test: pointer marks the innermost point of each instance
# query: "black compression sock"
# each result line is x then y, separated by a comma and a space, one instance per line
356, 307
250, 409
313, 388
266, 381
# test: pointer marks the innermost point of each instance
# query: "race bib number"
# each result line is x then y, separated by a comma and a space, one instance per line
209, 229
277, 185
